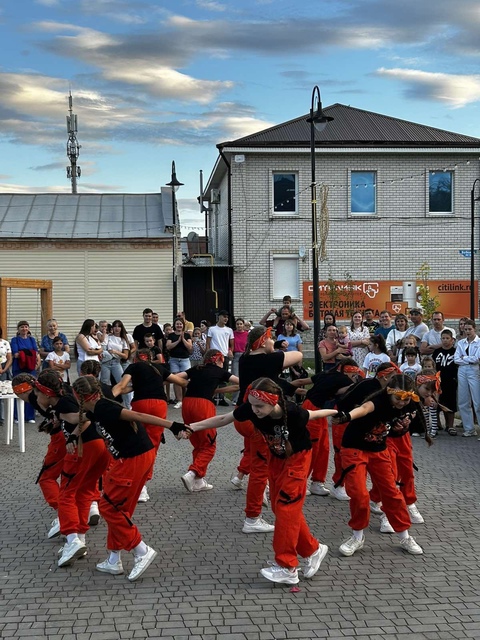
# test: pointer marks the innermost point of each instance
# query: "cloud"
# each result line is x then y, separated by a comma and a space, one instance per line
211, 6
453, 89
49, 167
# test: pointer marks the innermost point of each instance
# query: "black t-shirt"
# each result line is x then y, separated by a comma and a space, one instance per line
120, 437
180, 351
204, 380
325, 386
370, 432
147, 380
261, 365
68, 404
140, 331
371, 326
357, 393
273, 428
444, 363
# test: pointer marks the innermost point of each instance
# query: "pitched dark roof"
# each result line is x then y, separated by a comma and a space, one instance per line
95, 216
354, 127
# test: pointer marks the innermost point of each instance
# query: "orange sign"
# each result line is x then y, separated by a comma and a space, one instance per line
357, 295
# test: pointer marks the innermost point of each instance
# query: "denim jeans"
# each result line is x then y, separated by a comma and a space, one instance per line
109, 368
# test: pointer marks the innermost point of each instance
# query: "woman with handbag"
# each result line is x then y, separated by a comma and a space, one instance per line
26, 359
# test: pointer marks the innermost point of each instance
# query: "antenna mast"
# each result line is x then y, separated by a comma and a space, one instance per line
73, 148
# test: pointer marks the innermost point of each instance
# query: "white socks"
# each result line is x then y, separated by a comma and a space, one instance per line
71, 537
403, 535
141, 549
114, 557
358, 535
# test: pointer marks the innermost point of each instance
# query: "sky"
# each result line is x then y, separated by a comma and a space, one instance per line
156, 82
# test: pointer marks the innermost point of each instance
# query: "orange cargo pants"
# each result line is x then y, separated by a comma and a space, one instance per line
259, 456
51, 471
318, 430
204, 442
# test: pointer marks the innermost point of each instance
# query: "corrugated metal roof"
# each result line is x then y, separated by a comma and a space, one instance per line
352, 126
68, 216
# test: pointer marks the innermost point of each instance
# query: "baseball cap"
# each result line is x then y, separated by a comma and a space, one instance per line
416, 312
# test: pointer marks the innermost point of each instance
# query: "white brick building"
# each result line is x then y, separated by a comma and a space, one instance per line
398, 195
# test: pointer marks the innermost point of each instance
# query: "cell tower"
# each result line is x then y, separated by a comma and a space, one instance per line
73, 148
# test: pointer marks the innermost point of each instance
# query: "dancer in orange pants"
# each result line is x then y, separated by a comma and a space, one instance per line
134, 455
283, 425
203, 384
364, 450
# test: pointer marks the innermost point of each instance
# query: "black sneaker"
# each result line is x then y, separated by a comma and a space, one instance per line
223, 403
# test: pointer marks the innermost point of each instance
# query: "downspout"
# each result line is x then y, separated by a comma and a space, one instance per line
229, 216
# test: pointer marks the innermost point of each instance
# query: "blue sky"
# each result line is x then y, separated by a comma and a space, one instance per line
154, 82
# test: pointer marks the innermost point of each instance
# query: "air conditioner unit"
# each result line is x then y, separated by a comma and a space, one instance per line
215, 196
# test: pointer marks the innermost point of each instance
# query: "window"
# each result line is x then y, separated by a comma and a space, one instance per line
363, 192
285, 276
285, 189
440, 192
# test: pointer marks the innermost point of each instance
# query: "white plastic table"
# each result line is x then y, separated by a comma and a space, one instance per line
8, 400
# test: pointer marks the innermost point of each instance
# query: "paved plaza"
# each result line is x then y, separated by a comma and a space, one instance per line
205, 583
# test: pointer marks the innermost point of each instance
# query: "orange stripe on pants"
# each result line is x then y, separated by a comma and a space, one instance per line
52, 469
379, 466
121, 488
204, 442
154, 407
318, 430
401, 456
288, 486
259, 456
78, 492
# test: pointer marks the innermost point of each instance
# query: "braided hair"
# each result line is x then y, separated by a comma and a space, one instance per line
53, 380
268, 385
23, 377
90, 385
90, 368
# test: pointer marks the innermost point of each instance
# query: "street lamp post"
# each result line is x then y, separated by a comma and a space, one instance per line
473, 311
174, 184
318, 121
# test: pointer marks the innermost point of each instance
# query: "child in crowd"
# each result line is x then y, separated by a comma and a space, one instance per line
445, 364
157, 355
410, 342
58, 359
377, 355
430, 404
411, 367
344, 340
199, 347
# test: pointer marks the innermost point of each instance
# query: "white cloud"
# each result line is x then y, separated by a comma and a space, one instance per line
211, 6
453, 89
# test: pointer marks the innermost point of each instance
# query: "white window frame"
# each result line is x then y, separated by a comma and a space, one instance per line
283, 214
436, 214
282, 286
356, 214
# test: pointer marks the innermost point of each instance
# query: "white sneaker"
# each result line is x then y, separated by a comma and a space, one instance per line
275, 573
351, 545
339, 493
319, 489
178, 405
93, 514
82, 555
143, 497
410, 546
376, 508
33, 422
115, 569
142, 563
201, 484
237, 483
385, 526
189, 480
259, 525
415, 515
71, 552
54, 529
313, 562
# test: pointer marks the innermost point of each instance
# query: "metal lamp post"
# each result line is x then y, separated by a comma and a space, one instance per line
473, 311
318, 121
174, 184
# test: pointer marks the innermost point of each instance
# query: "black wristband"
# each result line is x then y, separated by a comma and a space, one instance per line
177, 427
72, 438
343, 416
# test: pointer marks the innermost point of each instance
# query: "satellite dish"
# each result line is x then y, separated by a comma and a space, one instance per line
192, 237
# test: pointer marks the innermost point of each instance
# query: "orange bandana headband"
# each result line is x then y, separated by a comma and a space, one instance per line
403, 395
262, 339
144, 357
23, 387
386, 372
349, 368
264, 396
422, 379
217, 357
50, 393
